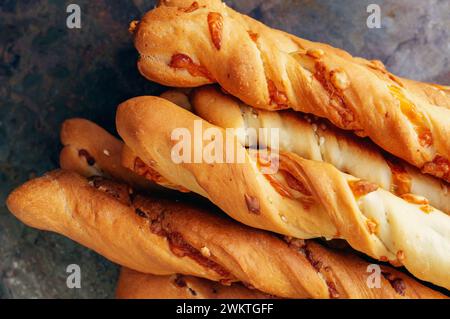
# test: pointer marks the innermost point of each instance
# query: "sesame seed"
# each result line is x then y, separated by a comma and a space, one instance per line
321, 140
106, 152
283, 218
314, 127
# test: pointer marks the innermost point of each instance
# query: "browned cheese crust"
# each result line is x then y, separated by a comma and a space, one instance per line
162, 237
273, 70
314, 200
317, 139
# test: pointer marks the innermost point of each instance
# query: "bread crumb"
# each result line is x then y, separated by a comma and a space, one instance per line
205, 251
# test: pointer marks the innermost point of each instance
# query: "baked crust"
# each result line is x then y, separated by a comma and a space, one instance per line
343, 272
273, 70
127, 234
136, 285
92, 151
372, 220
161, 237
316, 139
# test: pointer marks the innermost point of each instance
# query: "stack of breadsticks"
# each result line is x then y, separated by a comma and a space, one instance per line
361, 181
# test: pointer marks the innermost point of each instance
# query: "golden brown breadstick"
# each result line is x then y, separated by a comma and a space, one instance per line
136, 285
273, 70
304, 199
101, 156
92, 151
162, 237
315, 139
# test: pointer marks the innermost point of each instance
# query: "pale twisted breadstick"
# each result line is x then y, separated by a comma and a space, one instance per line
161, 237
136, 285
314, 139
305, 199
191, 43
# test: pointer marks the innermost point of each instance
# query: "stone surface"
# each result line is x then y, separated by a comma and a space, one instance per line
49, 73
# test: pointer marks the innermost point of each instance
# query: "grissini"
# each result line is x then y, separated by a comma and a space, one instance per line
92, 151
161, 237
315, 139
158, 237
136, 285
100, 156
75, 133
320, 258
316, 199
273, 70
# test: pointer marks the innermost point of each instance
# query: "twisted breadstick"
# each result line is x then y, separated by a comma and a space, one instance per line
192, 43
161, 237
316, 256
136, 285
305, 199
92, 151
100, 156
76, 135
83, 139
317, 140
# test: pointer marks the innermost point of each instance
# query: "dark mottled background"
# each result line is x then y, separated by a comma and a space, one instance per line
49, 73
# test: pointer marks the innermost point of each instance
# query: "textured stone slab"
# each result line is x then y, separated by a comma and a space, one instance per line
49, 73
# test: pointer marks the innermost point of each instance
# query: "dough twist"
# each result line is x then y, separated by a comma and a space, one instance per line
305, 199
192, 43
